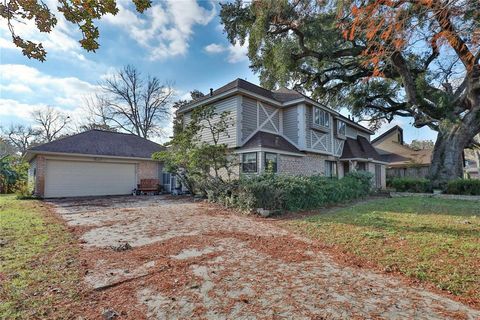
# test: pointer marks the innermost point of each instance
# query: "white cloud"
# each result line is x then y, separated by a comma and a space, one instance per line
236, 53
65, 93
215, 48
166, 28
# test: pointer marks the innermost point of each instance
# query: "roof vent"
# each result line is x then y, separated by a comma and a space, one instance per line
211, 91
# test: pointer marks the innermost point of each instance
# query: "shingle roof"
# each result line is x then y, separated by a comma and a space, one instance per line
105, 143
359, 148
269, 140
237, 83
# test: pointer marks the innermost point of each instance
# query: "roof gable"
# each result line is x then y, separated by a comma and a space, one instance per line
359, 148
102, 143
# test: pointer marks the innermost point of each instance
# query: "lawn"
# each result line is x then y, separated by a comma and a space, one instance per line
39, 274
429, 239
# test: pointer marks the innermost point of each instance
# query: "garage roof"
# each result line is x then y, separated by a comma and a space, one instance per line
101, 143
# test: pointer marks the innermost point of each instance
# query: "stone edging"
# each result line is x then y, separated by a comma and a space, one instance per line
433, 195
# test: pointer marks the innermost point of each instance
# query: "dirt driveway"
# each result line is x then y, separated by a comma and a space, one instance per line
192, 260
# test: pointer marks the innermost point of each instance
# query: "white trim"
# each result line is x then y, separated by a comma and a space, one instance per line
239, 121
302, 129
269, 150
269, 116
365, 160
35, 153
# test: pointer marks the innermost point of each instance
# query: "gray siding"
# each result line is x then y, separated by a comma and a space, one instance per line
353, 132
230, 136
249, 117
290, 123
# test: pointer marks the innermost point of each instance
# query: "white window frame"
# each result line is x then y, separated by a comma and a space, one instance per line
341, 124
321, 117
275, 169
243, 162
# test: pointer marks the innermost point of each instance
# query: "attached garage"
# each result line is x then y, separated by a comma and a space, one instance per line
92, 163
77, 178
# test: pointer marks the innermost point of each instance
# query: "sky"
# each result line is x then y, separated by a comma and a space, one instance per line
179, 41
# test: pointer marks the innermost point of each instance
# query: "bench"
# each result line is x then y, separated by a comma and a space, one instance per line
149, 185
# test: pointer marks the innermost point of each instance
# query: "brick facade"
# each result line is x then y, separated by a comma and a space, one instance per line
40, 171
147, 170
308, 165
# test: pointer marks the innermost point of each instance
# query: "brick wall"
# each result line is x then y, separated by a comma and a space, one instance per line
311, 164
147, 170
41, 168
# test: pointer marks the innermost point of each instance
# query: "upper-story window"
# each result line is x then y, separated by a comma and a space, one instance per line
341, 128
320, 117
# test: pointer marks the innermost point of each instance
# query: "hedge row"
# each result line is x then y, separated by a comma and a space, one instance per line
292, 193
410, 185
464, 187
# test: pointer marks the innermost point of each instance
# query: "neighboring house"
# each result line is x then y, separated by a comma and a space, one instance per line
290, 131
403, 161
472, 164
92, 163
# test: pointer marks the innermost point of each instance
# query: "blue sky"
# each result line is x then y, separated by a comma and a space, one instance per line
178, 41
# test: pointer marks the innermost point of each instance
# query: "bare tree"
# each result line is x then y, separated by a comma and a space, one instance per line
133, 103
51, 122
21, 137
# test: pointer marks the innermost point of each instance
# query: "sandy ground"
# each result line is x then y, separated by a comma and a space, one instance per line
193, 260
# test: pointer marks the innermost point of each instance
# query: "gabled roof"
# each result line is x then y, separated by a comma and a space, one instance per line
269, 140
359, 148
101, 143
388, 132
235, 84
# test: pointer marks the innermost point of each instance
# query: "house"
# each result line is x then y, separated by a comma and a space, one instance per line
293, 133
403, 161
92, 163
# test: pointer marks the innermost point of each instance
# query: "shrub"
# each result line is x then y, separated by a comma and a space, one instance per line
411, 185
464, 187
293, 193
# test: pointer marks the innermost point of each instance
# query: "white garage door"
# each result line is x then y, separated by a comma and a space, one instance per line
77, 178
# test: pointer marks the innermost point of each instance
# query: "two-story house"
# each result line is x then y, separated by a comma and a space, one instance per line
290, 132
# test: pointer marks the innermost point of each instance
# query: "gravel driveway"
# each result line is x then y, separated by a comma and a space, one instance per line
194, 260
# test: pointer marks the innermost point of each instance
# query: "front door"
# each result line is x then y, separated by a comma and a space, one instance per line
346, 168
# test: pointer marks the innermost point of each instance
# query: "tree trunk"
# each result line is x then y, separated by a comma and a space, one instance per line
447, 159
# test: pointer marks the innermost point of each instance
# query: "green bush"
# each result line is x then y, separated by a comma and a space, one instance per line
293, 193
464, 187
411, 185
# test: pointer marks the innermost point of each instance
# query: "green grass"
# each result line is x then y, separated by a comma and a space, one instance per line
428, 239
39, 275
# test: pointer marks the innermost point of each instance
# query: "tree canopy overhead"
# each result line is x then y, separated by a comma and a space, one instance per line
379, 58
83, 13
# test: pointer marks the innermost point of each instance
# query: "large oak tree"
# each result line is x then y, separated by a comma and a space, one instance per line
379, 58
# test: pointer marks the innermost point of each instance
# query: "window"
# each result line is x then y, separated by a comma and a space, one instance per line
361, 166
320, 117
330, 169
249, 162
341, 128
271, 162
